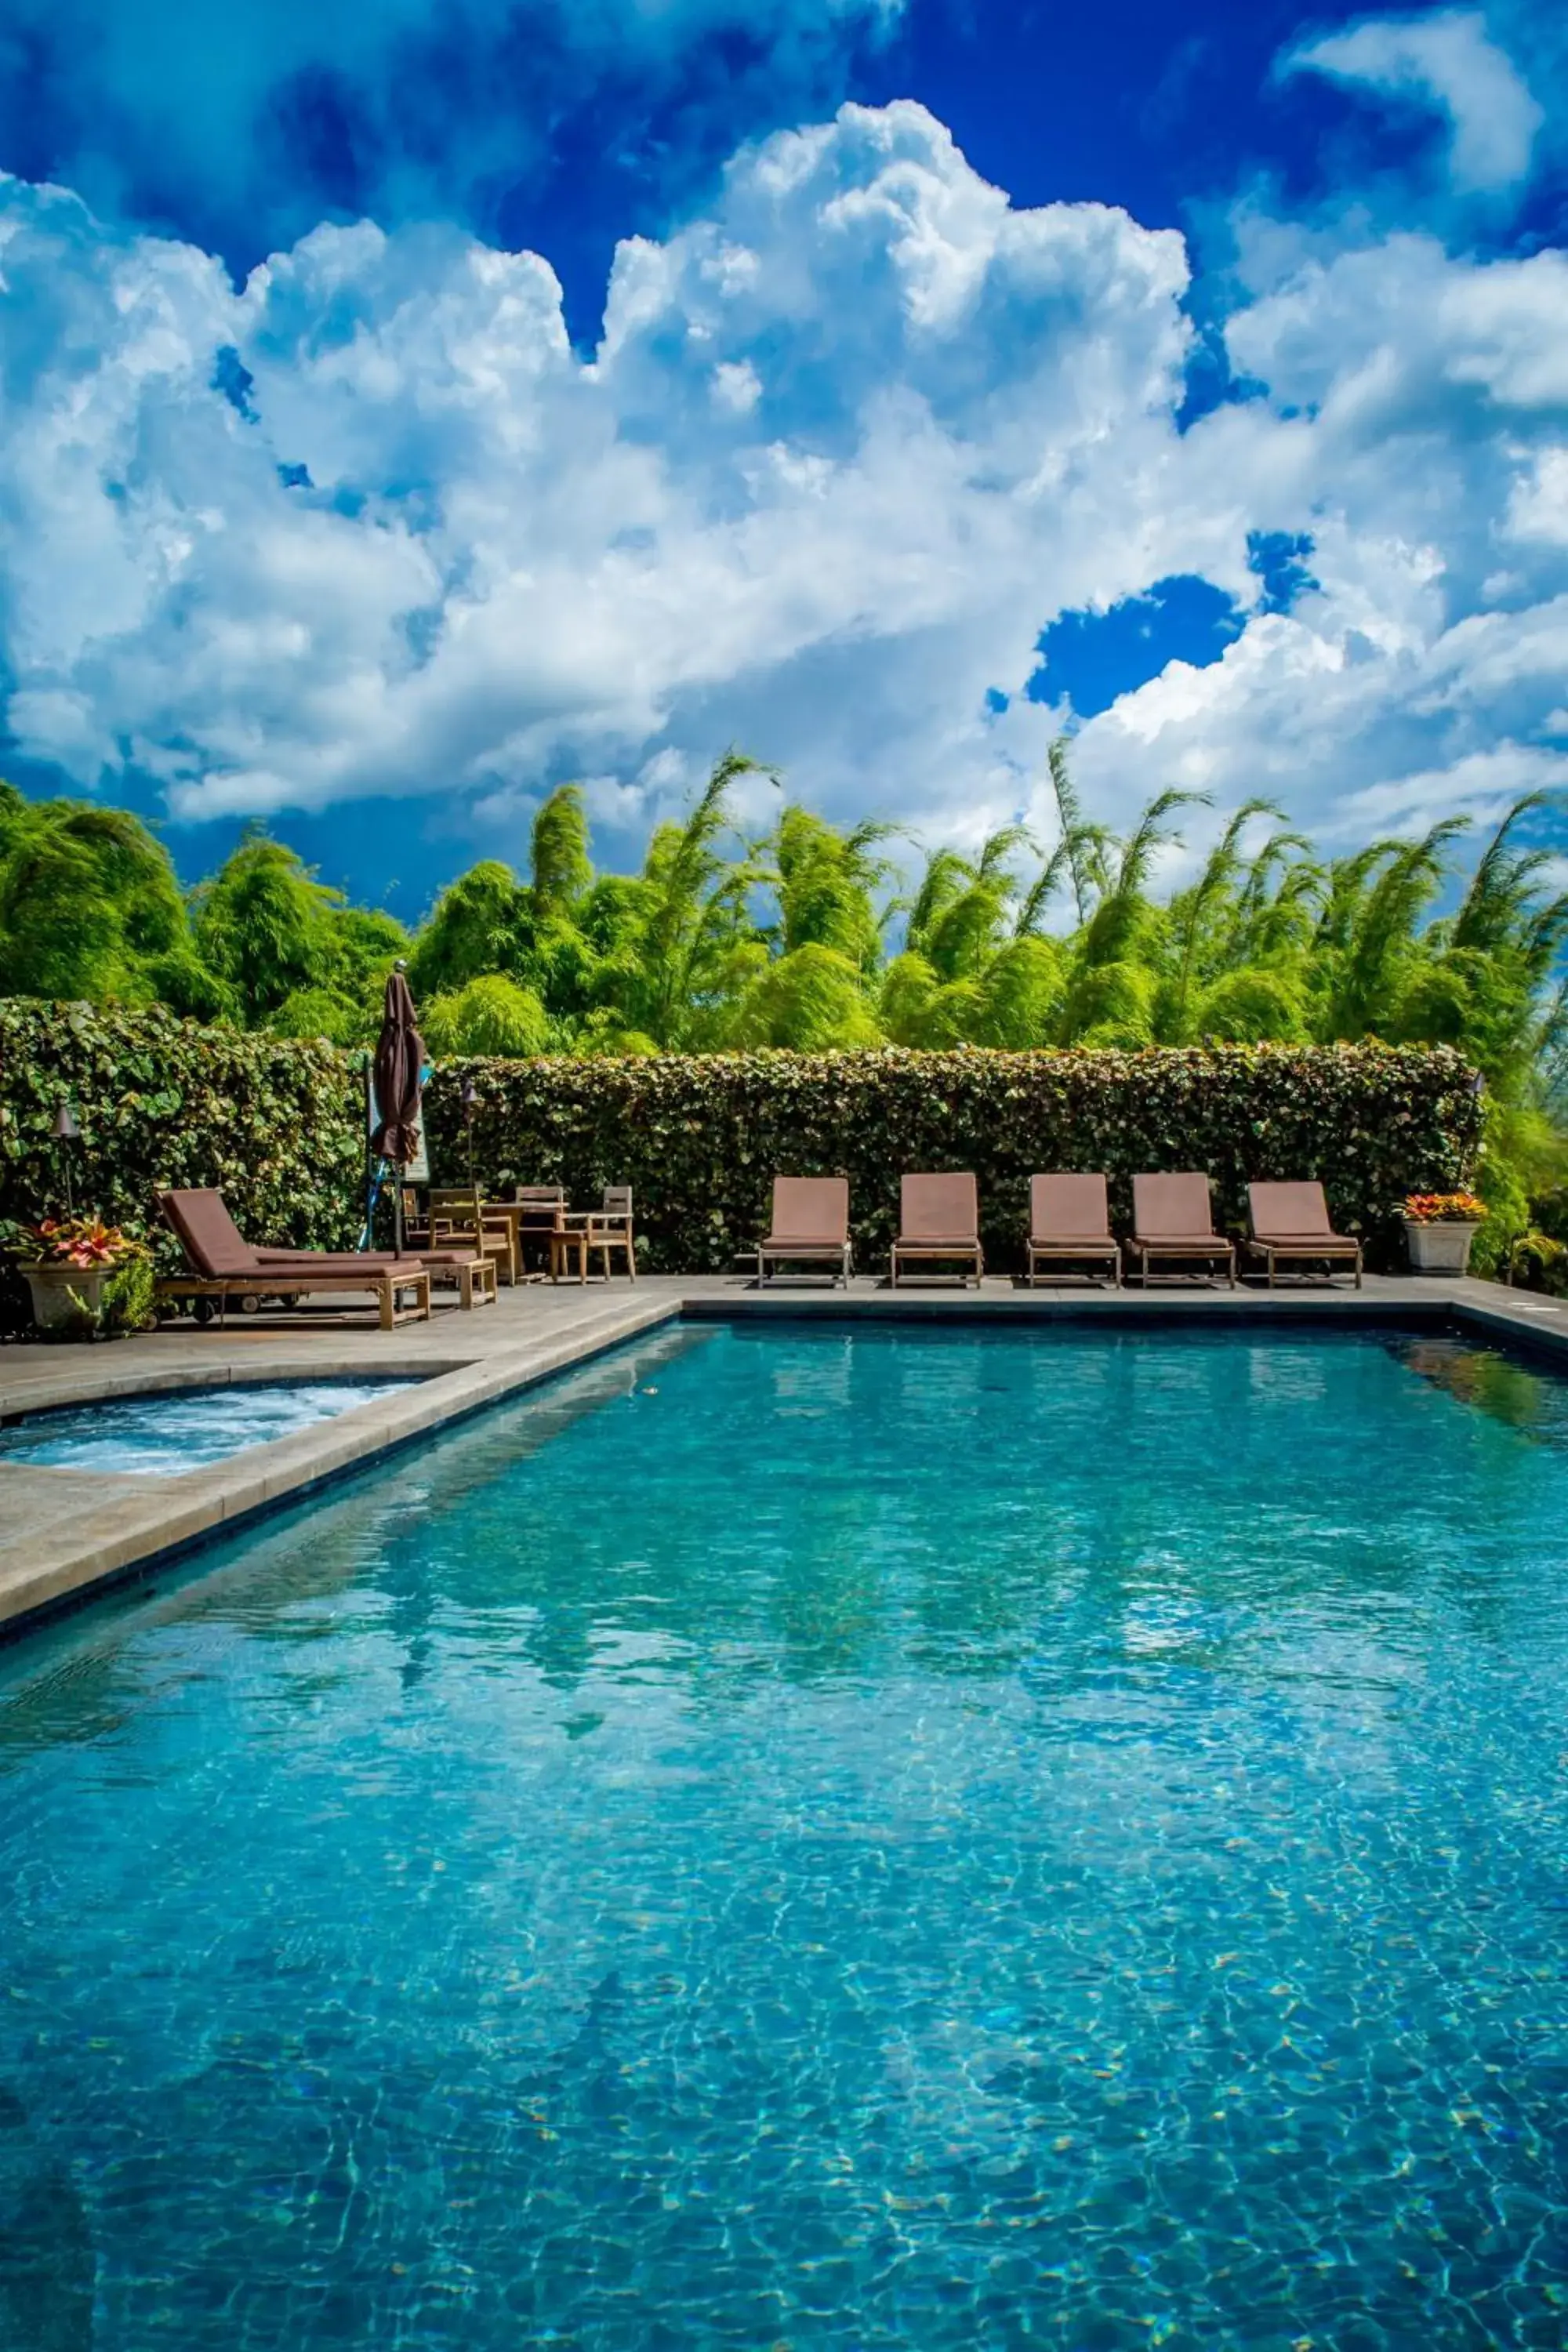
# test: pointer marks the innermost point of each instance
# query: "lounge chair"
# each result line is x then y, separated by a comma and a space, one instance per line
1291, 1221
939, 1222
1069, 1224
810, 1227
1173, 1219
470, 1272
225, 1265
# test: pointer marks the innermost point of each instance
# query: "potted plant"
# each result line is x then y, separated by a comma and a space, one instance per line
1439, 1228
84, 1277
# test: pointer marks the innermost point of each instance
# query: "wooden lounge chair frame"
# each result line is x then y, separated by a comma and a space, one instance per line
1069, 1224
225, 1265
810, 1228
939, 1223
1291, 1220
470, 1271
1173, 1219
384, 1283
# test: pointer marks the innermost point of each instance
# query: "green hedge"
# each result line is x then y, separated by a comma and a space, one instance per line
277, 1125
701, 1140
162, 1101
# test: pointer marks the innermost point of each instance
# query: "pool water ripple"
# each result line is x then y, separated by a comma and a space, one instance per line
811, 1839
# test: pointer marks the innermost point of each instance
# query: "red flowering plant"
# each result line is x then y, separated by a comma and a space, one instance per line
1443, 1209
80, 1249
85, 1243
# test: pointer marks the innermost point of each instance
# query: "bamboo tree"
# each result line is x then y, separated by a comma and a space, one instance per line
781, 942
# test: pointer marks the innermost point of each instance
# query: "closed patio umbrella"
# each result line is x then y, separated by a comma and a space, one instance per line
398, 1060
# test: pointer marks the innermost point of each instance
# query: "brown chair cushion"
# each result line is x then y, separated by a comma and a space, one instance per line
812, 1209
1174, 1242
1069, 1208
1174, 1208
1305, 1243
208, 1235
934, 1209
1296, 1210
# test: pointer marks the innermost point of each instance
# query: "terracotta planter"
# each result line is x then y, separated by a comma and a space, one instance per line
1441, 1249
66, 1298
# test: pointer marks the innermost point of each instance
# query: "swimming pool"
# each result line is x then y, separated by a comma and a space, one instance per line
174, 1431
827, 1838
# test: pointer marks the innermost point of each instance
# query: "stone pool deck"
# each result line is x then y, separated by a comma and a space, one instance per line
63, 1532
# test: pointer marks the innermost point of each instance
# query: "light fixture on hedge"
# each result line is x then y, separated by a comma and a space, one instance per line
65, 1131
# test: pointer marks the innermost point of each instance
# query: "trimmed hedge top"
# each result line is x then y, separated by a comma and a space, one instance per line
700, 1139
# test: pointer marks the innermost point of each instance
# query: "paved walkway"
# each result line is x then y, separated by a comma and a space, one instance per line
62, 1531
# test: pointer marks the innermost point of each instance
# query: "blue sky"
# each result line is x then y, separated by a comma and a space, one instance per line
408, 408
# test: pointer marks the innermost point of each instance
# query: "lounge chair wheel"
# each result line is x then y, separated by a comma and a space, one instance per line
203, 1310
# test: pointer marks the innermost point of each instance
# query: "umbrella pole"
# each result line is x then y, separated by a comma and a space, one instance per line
370, 1179
397, 1211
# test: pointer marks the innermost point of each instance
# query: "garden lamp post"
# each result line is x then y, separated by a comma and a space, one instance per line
65, 1131
469, 1099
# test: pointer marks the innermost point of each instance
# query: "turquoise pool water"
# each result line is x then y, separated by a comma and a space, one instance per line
187, 1429
824, 1841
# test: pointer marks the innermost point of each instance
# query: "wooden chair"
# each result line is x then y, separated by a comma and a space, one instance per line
610, 1228
415, 1220
468, 1268
568, 1244
458, 1214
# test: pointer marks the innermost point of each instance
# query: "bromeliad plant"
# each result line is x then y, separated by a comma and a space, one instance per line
113, 1269
85, 1241
1443, 1209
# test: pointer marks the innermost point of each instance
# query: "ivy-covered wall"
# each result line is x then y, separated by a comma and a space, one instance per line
278, 1125
162, 1101
701, 1140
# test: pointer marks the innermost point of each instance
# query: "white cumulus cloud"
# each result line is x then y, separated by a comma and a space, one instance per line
1447, 62
852, 438
1415, 423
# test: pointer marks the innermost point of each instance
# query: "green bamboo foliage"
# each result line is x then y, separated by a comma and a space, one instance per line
809, 938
